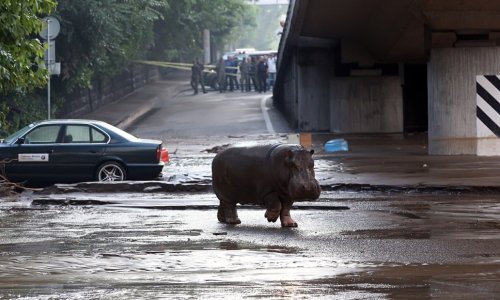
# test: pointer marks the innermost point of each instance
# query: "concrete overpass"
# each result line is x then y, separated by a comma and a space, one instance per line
379, 66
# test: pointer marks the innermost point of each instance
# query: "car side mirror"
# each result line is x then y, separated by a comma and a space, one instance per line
20, 141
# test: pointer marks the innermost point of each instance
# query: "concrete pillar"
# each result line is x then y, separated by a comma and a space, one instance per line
314, 72
460, 120
286, 98
206, 46
366, 104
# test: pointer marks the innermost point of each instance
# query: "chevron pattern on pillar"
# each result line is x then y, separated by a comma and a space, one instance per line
488, 105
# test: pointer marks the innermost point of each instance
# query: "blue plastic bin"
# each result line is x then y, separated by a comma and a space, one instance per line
336, 145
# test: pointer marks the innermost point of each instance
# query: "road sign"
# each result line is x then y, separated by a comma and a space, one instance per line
50, 28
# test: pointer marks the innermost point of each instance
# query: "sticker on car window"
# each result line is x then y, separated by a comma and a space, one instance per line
30, 157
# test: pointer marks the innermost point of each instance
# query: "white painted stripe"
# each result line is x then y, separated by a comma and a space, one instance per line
481, 103
490, 88
490, 112
269, 124
482, 130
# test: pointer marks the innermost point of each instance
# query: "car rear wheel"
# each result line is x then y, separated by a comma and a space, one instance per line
111, 171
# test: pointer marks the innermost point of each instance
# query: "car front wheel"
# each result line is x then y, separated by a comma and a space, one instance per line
111, 171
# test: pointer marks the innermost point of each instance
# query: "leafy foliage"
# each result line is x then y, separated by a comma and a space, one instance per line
179, 35
20, 54
18, 109
99, 37
267, 27
19, 51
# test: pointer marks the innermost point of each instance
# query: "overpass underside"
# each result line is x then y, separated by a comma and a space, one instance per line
383, 66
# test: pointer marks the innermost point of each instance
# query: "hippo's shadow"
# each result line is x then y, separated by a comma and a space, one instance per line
260, 238
233, 245
261, 230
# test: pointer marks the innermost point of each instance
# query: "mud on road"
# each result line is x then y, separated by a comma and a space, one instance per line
351, 245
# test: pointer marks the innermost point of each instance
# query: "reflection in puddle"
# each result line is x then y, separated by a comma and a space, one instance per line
385, 246
231, 245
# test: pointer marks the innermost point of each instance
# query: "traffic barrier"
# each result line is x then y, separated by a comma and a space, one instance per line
183, 66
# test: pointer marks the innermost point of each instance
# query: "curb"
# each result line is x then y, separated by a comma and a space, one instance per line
408, 189
140, 111
204, 187
143, 110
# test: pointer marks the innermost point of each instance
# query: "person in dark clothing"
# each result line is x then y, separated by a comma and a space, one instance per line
221, 74
245, 76
231, 70
252, 72
262, 76
197, 76
235, 65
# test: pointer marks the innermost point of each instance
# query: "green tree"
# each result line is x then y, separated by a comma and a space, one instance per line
237, 20
99, 37
179, 34
20, 52
264, 36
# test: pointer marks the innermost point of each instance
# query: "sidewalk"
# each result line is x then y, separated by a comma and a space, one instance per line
125, 111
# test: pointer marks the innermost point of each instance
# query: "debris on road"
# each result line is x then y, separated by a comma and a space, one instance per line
217, 149
336, 145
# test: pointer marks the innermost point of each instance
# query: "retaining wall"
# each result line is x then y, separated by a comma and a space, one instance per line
101, 93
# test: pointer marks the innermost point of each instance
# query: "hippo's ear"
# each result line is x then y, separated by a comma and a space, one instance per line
312, 152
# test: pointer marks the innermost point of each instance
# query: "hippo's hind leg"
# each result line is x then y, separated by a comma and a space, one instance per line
285, 218
227, 213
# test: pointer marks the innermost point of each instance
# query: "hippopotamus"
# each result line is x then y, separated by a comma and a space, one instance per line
273, 176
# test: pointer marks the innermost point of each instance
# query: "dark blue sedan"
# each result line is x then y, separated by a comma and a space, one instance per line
79, 150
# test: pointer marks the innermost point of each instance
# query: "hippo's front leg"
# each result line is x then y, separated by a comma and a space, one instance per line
273, 205
228, 213
285, 218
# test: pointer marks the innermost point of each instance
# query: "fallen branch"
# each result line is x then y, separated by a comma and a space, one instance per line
7, 186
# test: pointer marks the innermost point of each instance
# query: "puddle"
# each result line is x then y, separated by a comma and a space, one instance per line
385, 246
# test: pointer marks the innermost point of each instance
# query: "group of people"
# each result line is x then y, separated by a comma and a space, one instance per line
257, 73
251, 73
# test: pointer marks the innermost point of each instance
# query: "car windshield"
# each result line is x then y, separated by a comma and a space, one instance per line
11, 138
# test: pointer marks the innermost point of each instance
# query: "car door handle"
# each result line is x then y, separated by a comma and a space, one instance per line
93, 151
51, 151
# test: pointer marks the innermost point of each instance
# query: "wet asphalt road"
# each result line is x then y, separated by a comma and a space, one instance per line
146, 242
384, 246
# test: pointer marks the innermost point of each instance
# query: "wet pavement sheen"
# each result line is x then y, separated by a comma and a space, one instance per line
383, 246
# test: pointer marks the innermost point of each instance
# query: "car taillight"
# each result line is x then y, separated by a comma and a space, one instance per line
158, 153
164, 155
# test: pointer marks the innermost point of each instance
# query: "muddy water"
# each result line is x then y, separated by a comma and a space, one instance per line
385, 246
